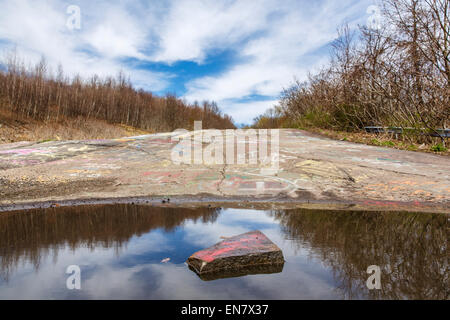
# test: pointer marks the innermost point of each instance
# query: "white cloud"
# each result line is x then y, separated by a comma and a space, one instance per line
245, 112
287, 48
38, 28
192, 27
112, 40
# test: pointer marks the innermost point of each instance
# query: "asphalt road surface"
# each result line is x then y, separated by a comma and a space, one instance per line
311, 169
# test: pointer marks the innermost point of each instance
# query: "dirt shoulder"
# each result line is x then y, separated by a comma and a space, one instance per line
380, 140
16, 130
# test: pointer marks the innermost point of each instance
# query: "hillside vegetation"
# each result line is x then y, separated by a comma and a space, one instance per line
38, 104
393, 73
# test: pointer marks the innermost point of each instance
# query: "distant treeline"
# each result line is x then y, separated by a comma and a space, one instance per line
34, 92
395, 72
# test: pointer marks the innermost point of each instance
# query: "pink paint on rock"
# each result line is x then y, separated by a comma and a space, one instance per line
24, 152
255, 241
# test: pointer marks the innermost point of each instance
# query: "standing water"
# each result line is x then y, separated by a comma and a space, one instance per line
139, 252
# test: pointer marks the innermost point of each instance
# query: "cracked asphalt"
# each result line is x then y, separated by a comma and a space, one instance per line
312, 169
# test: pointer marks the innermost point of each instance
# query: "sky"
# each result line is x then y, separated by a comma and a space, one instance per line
241, 54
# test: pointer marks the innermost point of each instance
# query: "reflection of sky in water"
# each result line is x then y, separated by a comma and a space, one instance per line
134, 271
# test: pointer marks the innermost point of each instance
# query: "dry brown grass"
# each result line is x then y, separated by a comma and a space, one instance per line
15, 130
381, 140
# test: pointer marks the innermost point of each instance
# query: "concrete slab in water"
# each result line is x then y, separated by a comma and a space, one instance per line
249, 253
240, 272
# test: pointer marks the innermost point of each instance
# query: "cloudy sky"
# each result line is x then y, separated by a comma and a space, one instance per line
238, 53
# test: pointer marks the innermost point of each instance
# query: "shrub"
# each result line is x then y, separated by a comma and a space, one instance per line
438, 148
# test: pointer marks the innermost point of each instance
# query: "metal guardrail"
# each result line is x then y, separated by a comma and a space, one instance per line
440, 133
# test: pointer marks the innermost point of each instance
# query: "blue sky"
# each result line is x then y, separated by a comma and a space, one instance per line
238, 53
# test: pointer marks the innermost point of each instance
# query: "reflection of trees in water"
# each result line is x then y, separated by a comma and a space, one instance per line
30, 235
410, 248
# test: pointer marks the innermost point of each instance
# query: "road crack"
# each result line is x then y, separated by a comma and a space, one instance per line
222, 172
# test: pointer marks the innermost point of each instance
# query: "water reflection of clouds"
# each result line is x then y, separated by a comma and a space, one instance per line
230, 223
293, 283
29, 282
169, 281
134, 271
322, 252
148, 248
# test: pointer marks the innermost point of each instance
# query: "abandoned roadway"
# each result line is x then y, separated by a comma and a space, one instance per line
312, 171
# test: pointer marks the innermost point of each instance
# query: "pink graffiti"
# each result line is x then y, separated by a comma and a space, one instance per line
248, 242
25, 162
24, 152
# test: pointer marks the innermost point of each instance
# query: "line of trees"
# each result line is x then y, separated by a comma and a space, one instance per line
37, 93
396, 74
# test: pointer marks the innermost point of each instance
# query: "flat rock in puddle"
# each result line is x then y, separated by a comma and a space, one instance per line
248, 253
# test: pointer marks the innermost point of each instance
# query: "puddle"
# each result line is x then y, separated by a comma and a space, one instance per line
120, 249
